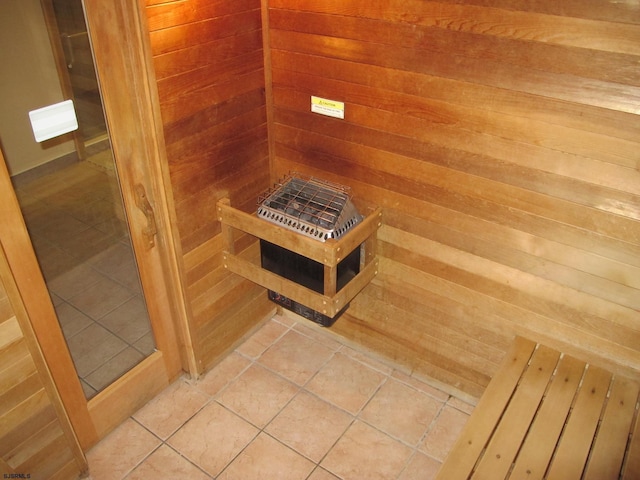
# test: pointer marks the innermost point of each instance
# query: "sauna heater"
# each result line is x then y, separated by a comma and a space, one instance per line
317, 209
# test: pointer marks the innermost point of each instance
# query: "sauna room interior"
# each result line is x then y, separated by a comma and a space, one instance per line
492, 148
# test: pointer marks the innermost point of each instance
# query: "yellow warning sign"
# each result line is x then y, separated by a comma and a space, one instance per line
331, 108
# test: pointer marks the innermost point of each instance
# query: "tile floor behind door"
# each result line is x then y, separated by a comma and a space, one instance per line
77, 226
292, 402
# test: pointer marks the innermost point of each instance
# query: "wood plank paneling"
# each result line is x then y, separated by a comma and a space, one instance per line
33, 441
502, 140
208, 59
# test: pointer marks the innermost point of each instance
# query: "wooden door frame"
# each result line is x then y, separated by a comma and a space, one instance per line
119, 38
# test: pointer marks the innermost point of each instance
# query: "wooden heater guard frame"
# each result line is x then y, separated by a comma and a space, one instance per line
328, 253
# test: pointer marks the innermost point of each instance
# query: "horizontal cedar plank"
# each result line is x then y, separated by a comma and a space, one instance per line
232, 289
22, 386
215, 114
616, 275
559, 30
490, 205
564, 301
409, 346
623, 12
580, 117
211, 317
440, 317
535, 219
24, 432
224, 161
443, 132
207, 141
44, 453
180, 99
509, 319
196, 56
210, 279
519, 230
492, 73
174, 13
543, 297
547, 259
591, 147
244, 191
318, 147
595, 184
385, 147
524, 53
184, 36
231, 327
199, 256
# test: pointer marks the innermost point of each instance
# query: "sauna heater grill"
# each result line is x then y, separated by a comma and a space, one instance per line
317, 209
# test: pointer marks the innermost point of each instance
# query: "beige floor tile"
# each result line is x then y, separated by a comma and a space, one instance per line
420, 467
296, 357
129, 321
346, 383
322, 474
257, 395
212, 438
223, 374
71, 319
121, 451
167, 463
114, 368
443, 433
146, 345
285, 320
100, 298
366, 453
92, 347
309, 425
74, 281
420, 385
461, 405
401, 411
255, 345
318, 333
368, 359
171, 408
266, 458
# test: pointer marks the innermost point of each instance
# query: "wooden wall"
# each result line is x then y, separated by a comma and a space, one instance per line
502, 139
208, 59
36, 438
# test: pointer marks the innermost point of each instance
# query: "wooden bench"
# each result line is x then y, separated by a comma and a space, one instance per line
548, 415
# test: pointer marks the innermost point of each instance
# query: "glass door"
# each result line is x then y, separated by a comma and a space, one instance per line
71, 199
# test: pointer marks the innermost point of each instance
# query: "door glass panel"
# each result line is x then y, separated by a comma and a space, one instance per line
69, 191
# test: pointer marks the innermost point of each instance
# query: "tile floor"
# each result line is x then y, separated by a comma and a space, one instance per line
76, 223
292, 402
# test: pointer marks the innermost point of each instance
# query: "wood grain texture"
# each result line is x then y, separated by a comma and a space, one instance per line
209, 66
32, 438
502, 141
545, 415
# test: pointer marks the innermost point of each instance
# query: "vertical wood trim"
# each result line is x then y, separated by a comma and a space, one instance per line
119, 38
268, 87
167, 212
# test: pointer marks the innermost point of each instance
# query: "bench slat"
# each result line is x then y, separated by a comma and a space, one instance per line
632, 465
479, 428
546, 415
512, 429
543, 436
612, 437
573, 450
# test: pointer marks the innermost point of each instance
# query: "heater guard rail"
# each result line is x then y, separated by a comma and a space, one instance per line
328, 253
